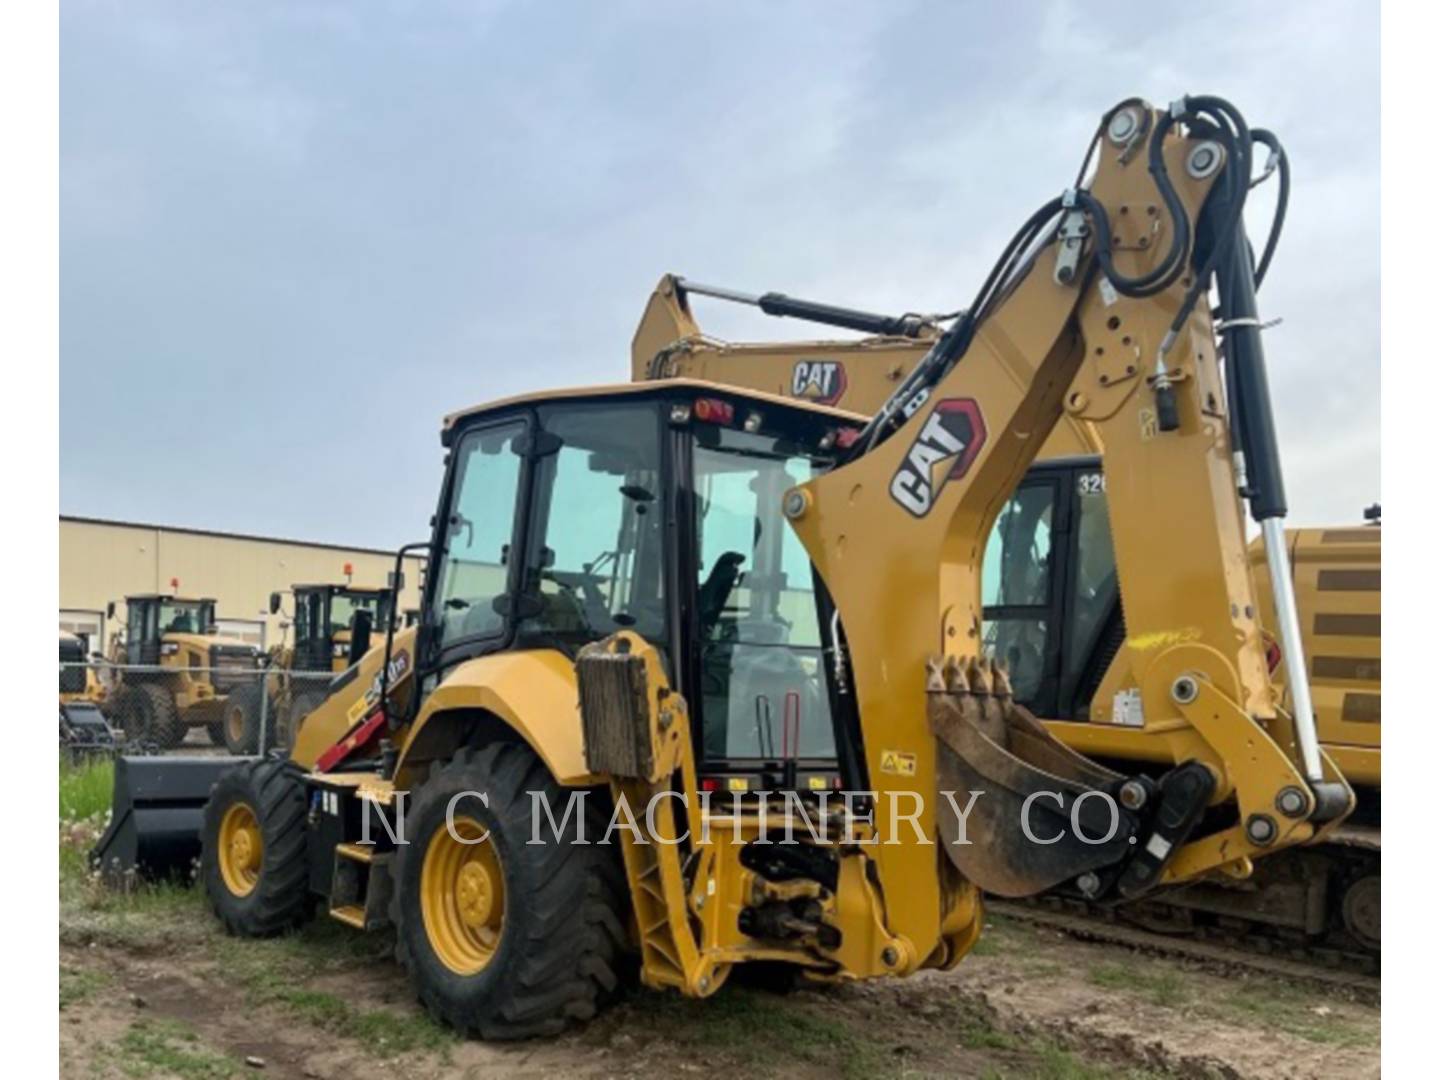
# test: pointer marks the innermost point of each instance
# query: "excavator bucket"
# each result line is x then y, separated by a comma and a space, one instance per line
1039, 821
156, 816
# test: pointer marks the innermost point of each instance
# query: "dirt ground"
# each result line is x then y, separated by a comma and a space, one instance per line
149, 987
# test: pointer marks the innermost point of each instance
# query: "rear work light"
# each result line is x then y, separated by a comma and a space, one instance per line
714, 411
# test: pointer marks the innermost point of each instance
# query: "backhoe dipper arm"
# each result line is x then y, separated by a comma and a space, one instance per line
1100, 318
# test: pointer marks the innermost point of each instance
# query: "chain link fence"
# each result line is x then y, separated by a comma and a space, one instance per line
165, 709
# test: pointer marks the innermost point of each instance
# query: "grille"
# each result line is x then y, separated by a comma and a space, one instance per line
232, 666
72, 679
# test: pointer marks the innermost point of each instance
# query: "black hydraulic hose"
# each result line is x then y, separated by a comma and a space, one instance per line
955, 341
1173, 265
1234, 134
1282, 199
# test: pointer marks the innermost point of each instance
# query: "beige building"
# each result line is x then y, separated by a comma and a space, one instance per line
101, 561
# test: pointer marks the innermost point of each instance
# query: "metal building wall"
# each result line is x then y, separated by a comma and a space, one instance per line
102, 561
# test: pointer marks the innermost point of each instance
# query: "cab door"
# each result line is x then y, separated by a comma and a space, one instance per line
468, 609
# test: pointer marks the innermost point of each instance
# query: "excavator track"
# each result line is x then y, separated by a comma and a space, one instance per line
1253, 946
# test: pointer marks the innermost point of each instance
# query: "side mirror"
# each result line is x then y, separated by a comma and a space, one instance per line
396, 580
274, 603
360, 629
110, 610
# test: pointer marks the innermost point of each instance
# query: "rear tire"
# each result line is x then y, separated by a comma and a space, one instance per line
240, 720
266, 892
148, 716
558, 954
216, 732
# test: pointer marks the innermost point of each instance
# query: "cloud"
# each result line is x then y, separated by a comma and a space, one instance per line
294, 235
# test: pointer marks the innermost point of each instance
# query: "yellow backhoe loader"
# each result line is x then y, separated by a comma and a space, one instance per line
1052, 609
176, 671
741, 638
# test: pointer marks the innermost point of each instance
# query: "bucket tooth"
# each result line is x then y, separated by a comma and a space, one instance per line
935, 675
988, 743
1003, 688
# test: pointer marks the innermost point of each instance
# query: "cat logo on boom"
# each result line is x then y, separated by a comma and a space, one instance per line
820, 381
947, 445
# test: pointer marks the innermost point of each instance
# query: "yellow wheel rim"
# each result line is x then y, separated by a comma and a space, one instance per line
235, 723
462, 896
241, 849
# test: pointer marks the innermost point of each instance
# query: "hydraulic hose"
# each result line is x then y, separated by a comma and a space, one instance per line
1281, 162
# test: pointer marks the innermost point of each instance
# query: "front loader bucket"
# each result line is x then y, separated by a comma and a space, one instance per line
84, 734
1029, 781
156, 815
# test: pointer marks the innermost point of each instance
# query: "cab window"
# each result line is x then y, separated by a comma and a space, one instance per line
1094, 587
595, 562
763, 690
477, 535
1016, 587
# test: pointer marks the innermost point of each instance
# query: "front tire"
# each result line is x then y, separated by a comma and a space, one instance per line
148, 716
240, 719
252, 858
505, 939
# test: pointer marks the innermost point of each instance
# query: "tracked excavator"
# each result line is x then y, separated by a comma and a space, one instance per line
1053, 613
734, 643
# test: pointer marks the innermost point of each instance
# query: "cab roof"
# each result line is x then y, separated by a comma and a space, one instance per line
657, 388
173, 599
363, 589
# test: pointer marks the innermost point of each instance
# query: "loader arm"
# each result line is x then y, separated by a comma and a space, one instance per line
896, 535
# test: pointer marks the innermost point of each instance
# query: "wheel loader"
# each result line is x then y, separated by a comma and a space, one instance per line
701, 681
177, 671
332, 625
83, 729
1053, 613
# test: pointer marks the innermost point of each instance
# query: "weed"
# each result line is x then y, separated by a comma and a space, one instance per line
172, 1049
80, 984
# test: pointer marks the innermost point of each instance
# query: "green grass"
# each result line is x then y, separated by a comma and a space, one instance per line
77, 985
271, 973
1159, 986
85, 790
760, 1029
1054, 1062
168, 1048
1286, 1007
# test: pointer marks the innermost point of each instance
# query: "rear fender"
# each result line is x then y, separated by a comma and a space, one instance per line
532, 694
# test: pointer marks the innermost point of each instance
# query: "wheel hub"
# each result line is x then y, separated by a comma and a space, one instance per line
462, 896
241, 849
474, 894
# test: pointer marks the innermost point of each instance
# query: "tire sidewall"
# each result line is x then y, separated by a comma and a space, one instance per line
233, 787
247, 699
465, 994
241, 784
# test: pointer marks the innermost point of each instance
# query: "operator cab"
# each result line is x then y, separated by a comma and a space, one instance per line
152, 617
1051, 595
655, 509
325, 621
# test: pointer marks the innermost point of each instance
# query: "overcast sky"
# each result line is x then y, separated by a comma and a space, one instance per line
294, 234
